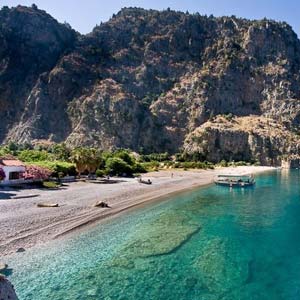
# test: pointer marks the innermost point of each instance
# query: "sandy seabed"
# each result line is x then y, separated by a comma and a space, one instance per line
23, 224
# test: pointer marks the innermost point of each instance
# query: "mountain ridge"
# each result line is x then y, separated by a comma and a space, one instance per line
145, 79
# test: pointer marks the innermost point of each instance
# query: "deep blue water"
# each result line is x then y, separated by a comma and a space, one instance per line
212, 243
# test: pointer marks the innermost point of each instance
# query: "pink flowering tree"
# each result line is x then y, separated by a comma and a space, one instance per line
37, 173
2, 174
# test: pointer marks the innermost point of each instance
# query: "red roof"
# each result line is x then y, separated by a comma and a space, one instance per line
11, 163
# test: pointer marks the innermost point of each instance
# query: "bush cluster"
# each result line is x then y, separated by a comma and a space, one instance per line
121, 162
62, 160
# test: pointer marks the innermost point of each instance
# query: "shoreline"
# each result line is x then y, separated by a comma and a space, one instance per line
24, 225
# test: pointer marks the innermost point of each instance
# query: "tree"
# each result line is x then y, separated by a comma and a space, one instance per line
79, 157
95, 159
34, 155
12, 147
60, 151
125, 155
86, 159
117, 166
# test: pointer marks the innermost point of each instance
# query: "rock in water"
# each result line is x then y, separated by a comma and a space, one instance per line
223, 265
7, 291
161, 237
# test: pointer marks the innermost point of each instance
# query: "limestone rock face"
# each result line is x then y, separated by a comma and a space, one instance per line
147, 79
248, 138
33, 43
7, 291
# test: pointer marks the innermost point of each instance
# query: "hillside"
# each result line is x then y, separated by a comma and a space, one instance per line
150, 80
249, 138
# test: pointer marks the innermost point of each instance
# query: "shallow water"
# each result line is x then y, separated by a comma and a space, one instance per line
212, 243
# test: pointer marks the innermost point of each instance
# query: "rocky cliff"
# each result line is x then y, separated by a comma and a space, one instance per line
250, 138
153, 80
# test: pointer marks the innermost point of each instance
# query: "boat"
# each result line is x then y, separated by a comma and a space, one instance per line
235, 180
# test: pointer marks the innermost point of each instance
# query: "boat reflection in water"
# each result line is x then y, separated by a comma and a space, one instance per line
235, 180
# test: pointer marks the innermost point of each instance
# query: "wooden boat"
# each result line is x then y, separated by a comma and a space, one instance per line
235, 180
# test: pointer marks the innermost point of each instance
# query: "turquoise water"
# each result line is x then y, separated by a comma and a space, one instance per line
212, 243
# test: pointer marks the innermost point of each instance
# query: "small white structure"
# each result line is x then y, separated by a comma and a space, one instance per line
14, 170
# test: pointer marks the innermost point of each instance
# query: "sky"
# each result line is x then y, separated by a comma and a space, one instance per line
83, 15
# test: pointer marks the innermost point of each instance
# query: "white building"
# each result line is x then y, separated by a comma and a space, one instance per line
14, 170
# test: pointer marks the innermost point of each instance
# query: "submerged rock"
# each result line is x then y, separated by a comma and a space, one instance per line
160, 237
7, 291
223, 265
122, 263
163, 236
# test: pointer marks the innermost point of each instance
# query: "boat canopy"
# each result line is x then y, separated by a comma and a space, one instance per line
235, 176
235, 180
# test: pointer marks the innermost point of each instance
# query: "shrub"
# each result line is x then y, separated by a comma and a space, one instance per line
51, 184
100, 173
179, 157
210, 165
139, 168
195, 165
155, 157
125, 156
5, 151
34, 155
240, 163
150, 166
223, 163
36, 172
117, 166
12, 147
60, 151
58, 167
